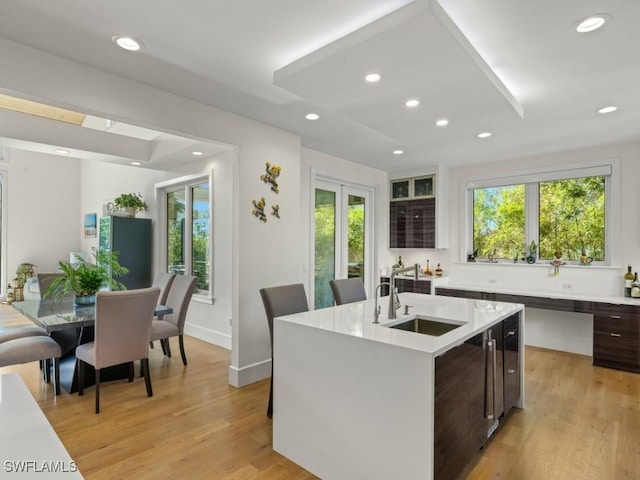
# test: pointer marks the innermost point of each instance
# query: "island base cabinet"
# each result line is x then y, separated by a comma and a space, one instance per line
511, 328
460, 425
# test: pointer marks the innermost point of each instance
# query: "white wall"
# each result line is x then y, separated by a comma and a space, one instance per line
263, 254
43, 210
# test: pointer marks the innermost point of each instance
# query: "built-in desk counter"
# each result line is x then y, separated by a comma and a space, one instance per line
616, 320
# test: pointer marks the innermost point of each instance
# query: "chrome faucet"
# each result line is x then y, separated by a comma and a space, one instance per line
394, 300
376, 308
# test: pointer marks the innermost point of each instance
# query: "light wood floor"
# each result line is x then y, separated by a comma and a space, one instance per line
580, 422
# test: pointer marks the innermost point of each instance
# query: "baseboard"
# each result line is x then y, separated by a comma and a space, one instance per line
243, 376
210, 336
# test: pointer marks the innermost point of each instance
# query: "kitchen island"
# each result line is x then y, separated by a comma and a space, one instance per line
357, 400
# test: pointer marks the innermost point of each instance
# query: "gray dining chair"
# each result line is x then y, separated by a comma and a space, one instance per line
172, 325
67, 338
45, 280
280, 301
121, 335
21, 332
348, 290
29, 349
163, 280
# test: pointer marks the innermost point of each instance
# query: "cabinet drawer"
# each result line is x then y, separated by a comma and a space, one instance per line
628, 312
618, 325
611, 350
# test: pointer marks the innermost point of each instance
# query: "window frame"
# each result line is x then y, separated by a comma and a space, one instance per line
161, 191
531, 178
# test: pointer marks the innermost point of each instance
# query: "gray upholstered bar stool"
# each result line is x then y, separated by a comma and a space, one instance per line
280, 301
21, 332
348, 290
33, 349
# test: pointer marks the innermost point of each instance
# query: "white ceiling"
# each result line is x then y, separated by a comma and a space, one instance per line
515, 68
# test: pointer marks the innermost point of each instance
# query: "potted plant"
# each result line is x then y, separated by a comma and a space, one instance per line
131, 203
84, 279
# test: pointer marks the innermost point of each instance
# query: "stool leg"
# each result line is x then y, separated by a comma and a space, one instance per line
56, 375
47, 370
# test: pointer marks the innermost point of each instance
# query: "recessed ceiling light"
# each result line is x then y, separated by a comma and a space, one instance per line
591, 23
443, 122
127, 43
609, 109
373, 77
312, 116
484, 135
398, 152
412, 103
137, 164
62, 151
196, 153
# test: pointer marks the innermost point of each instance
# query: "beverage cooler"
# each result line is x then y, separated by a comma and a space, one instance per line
132, 238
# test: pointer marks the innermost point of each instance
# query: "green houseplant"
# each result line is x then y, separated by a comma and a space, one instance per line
131, 203
84, 279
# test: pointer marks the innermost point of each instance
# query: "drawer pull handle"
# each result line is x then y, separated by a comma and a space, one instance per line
512, 332
615, 316
511, 370
615, 334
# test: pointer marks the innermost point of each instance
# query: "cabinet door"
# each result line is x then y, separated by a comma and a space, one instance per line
398, 224
511, 362
616, 337
422, 224
460, 427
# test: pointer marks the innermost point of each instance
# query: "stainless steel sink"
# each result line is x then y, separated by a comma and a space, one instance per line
425, 326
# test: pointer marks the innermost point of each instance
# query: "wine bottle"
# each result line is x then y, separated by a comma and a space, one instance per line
400, 264
628, 280
635, 286
427, 271
438, 271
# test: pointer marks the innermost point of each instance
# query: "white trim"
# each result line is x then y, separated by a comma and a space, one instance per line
241, 377
210, 336
4, 174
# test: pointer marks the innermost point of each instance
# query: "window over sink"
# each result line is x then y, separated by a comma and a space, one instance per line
569, 210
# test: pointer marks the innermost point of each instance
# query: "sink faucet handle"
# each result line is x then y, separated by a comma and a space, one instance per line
406, 309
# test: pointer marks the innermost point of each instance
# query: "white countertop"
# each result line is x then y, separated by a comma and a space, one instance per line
29, 447
567, 295
356, 320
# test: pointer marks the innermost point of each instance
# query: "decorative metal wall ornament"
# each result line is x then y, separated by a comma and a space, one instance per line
271, 177
275, 210
258, 209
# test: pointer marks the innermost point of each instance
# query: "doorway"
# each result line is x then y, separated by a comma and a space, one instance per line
342, 219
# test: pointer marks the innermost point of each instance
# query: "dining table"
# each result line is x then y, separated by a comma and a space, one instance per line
63, 315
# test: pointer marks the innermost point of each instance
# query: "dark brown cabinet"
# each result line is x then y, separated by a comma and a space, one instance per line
412, 223
406, 285
511, 345
616, 337
460, 426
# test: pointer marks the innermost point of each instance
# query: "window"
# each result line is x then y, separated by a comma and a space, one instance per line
187, 229
563, 210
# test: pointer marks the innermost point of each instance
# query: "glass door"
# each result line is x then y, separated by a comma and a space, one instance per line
341, 238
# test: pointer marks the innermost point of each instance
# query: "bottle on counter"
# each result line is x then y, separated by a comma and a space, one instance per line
628, 281
635, 286
400, 264
438, 271
427, 270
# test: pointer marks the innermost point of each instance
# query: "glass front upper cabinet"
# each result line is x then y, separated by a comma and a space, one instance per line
408, 188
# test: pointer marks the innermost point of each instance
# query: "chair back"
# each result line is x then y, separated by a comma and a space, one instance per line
178, 299
348, 290
45, 280
123, 325
163, 280
283, 300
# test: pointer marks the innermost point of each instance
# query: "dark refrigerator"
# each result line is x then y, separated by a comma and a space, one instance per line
132, 238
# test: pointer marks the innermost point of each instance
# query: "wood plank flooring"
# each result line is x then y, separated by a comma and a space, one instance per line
579, 422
